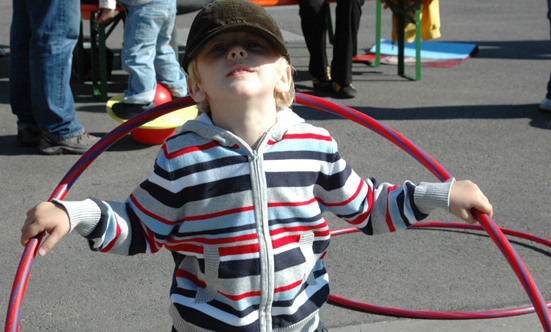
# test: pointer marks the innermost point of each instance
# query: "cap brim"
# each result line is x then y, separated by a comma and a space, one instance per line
268, 36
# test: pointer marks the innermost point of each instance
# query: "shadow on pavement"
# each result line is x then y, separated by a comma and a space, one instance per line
531, 111
9, 148
517, 49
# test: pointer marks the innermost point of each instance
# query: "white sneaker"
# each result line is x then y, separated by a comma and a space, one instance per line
545, 105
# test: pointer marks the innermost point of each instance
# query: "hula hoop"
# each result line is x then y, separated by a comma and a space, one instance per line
449, 315
487, 224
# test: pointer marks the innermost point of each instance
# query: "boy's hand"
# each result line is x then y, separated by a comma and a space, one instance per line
46, 217
464, 196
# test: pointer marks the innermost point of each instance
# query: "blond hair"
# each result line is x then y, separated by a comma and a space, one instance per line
282, 99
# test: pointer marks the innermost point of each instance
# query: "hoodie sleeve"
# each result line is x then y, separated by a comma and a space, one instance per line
141, 224
375, 207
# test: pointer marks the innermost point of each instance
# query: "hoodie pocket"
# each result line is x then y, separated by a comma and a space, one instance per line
212, 261
305, 244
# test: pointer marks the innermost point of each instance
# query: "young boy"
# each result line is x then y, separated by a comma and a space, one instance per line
238, 195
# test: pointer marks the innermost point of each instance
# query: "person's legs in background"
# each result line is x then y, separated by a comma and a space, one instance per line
146, 37
314, 27
546, 103
138, 53
43, 36
347, 23
51, 54
167, 68
28, 132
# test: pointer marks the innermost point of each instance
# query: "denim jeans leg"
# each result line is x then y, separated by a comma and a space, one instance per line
167, 67
19, 71
54, 28
146, 55
138, 53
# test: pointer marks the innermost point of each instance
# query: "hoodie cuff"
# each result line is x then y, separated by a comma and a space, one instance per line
83, 216
431, 196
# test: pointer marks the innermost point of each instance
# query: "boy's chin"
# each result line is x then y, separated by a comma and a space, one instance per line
247, 91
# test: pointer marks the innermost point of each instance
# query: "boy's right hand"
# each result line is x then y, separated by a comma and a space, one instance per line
46, 217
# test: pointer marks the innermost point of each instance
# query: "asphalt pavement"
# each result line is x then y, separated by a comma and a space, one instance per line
480, 120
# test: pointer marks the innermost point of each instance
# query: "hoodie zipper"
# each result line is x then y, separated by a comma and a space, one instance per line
264, 240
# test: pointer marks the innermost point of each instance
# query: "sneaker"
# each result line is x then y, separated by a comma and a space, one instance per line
127, 111
344, 91
75, 145
322, 83
545, 105
28, 137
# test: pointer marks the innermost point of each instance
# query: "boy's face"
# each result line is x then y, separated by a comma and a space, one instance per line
238, 64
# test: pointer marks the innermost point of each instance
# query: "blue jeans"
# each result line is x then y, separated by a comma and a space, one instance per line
146, 54
42, 38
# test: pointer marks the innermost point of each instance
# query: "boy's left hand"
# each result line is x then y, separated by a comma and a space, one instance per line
464, 196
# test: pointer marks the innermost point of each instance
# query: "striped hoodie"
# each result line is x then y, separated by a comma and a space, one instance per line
247, 226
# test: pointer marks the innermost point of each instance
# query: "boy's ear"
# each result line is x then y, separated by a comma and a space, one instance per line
284, 82
195, 90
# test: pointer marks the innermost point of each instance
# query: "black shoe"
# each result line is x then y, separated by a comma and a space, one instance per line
322, 83
28, 137
76, 145
128, 111
345, 91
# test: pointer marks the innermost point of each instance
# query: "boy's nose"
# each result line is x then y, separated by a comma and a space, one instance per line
237, 52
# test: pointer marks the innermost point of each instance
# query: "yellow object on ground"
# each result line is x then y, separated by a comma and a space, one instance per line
170, 120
